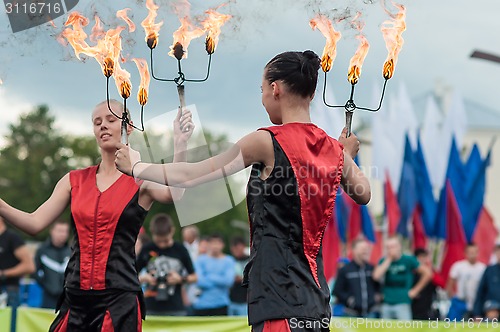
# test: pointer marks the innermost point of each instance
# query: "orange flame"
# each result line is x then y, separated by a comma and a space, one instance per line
76, 36
108, 48
122, 81
212, 25
123, 15
392, 31
97, 31
51, 22
183, 37
357, 60
151, 28
325, 26
142, 66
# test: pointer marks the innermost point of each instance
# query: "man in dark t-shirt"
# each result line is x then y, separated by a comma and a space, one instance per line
164, 266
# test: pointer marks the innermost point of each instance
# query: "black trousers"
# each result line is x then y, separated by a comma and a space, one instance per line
96, 311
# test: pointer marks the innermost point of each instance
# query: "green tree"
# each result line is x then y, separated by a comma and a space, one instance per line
156, 147
36, 155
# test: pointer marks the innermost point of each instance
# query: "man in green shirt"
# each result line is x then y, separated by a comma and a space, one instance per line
395, 272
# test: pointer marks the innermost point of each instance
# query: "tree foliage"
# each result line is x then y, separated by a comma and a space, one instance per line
36, 155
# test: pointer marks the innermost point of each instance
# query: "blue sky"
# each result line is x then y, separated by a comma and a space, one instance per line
440, 36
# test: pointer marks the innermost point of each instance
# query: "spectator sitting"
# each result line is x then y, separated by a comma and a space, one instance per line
215, 277
51, 260
355, 287
487, 302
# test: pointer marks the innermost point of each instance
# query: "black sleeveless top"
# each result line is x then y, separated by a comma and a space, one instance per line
288, 214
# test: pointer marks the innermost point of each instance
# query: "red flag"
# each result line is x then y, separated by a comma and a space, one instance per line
485, 236
354, 228
419, 237
392, 211
378, 248
331, 249
455, 236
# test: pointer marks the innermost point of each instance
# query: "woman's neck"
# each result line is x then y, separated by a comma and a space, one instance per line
295, 111
107, 165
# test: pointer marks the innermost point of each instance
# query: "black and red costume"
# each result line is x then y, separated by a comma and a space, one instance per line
102, 290
288, 214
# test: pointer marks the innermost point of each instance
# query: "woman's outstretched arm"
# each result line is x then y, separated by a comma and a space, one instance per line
253, 148
49, 211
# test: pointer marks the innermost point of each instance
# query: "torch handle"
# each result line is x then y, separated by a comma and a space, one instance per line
124, 138
182, 102
348, 122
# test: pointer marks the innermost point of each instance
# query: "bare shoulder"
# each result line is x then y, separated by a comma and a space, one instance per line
64, 183
257, 147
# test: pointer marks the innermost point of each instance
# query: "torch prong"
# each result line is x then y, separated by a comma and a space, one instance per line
324, 96
124, 138
381, 100
153, 73
208, 71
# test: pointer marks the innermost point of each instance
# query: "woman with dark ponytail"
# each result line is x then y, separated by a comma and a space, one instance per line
296, 171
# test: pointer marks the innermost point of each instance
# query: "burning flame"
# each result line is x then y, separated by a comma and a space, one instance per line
324, 25
183, 37
122, 80
142, 66
106, 52
151, 28
392, 31
97, 31
357, 60
108, 48
76, 36
123, 15
212, 25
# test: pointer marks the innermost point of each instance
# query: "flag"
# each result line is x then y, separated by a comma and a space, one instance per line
407, 192
391, 207
432, 133
360, 220
456, 177
354, 224
378, 248
485, 236
331, 249
425, 194
475, 188
342, 212
367, 224
419, 236
455, 242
